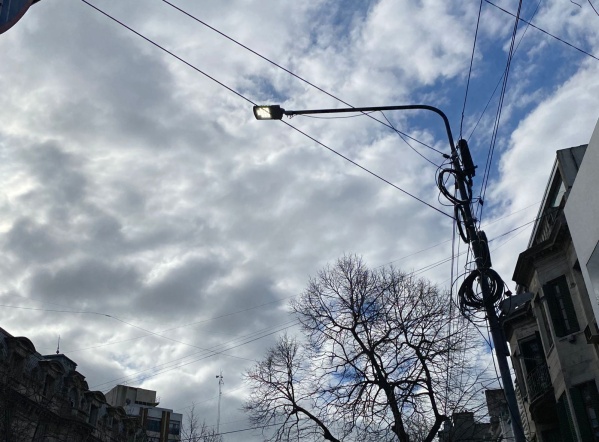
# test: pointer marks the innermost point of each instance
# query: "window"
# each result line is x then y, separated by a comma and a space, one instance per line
173, 428
558, 190
538, 381
561, 307
593, 269
153, 425
93, 415
585, 401
49, 386
17, 364
532, 353
564, 416
546, 326
74, 397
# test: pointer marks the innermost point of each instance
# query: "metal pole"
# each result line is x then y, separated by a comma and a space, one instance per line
499, 341
220, 393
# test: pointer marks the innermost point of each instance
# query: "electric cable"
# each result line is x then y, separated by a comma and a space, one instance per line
133, 377
150, 333
285, 69
403, 136
250, 101
487, 172
211, 350
68, 352
172, 54
448, 240
543, 31
472, 301
466, 252
449, 323
592, 6
480, 8
366, 170
446, 193
178, 327
503, 73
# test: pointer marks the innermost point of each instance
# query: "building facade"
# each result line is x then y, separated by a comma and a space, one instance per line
582, 213
159, 424
556, 362
45, 399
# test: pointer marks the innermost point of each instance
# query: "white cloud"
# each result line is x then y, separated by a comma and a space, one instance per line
136, 187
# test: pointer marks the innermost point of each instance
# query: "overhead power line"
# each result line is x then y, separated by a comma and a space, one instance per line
503, 73
543, 31
293, 74
172, 54
134, 376
367, 170
250, 101
487, 172
480, 8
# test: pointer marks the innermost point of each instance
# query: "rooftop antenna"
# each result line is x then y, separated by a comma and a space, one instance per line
58, 346
221, 382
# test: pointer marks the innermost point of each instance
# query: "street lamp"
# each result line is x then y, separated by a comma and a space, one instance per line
489, 281
276, 112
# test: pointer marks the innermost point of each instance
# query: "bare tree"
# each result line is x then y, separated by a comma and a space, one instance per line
194, 431
376, 364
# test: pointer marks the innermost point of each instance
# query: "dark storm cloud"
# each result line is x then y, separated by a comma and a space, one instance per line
88, 282
253, 290
33, 242
57, 173
182, 288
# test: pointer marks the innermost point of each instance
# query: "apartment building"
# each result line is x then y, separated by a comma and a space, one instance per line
160, 424
44, 398
550, 324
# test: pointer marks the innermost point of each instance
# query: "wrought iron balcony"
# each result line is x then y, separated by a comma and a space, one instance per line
538, 382
546, 224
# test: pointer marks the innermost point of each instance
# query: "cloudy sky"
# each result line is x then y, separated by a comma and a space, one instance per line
152, 223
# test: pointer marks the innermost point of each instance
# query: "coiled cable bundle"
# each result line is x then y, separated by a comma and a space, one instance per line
446, 193
472, 300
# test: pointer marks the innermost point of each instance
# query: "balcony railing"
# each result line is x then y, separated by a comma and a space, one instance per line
538, 382
546, 223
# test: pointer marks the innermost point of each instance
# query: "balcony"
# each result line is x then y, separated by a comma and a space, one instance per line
546, 224
538, 382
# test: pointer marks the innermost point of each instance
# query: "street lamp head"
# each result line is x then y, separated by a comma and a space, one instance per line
273, 112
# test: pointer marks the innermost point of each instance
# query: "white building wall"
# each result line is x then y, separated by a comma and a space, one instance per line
582, 215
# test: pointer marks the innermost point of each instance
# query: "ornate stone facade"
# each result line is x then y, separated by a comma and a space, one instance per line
45, 399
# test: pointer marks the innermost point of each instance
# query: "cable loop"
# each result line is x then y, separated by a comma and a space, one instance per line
446, 193
471, 300
460, 214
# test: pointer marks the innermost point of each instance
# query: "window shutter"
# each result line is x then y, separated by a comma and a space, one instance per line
562, 283
554, 311
565, 420
584, 427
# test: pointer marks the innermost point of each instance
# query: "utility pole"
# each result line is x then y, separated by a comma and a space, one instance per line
491, 285
220, 393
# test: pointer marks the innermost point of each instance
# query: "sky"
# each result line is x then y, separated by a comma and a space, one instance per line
153, 224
